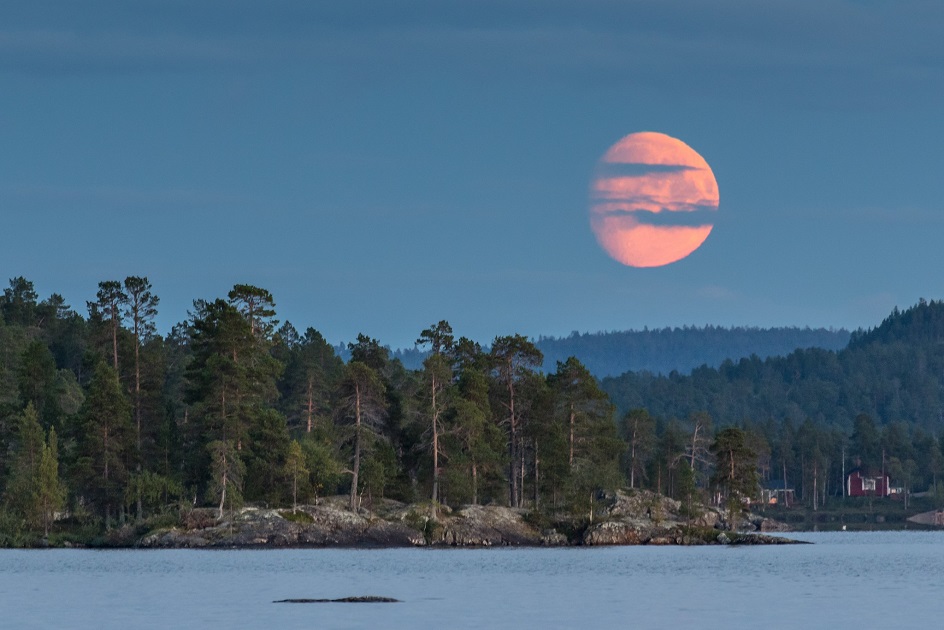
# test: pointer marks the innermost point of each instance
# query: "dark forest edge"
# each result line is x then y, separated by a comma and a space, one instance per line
107, 427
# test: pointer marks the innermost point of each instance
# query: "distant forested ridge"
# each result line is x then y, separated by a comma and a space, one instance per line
667, 350
893, 373
664, 350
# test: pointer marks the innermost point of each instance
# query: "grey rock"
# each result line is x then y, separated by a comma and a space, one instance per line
632, 517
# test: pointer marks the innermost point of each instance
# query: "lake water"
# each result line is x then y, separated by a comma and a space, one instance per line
846, 580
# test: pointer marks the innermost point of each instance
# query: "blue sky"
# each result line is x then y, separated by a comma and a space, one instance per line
381, 166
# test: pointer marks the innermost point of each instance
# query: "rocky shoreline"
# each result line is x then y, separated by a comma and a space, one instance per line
629, 518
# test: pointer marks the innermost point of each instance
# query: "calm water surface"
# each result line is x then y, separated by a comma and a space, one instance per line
846, 580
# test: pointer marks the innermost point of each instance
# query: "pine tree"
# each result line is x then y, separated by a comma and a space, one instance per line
639, 432
226, 475
361, 406
257, 306
735, 473
231, 383
18, 303
437, 374
140, 309
311, 374
581, 404
111, 298
513, 356
479, 441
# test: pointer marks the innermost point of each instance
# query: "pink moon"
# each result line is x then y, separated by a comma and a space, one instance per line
652, 200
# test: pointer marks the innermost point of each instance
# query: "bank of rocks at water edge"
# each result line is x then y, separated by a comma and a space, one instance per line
629, 518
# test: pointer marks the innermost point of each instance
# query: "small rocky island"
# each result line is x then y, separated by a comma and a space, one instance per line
629, 518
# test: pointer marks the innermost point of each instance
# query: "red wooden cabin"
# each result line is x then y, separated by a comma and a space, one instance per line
860, 484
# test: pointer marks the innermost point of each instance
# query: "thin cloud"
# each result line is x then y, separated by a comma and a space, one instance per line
693, 216
625, 169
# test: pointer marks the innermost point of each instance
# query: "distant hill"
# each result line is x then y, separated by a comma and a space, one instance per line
664, 350
893, 373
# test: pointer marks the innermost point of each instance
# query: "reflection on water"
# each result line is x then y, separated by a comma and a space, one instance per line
845, 580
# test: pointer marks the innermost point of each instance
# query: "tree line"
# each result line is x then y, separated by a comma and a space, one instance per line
878, 404
106, 421
233, 406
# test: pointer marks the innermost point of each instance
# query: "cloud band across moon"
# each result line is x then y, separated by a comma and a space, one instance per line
652, 200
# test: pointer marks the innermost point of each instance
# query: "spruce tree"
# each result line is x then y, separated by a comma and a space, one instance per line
23, 486
51, 492
106, 442
296, 471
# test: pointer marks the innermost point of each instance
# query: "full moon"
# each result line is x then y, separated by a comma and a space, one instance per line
652, 200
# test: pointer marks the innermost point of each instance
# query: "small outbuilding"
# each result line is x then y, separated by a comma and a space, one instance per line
778, 493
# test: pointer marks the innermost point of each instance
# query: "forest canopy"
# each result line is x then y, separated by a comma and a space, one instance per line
104, 420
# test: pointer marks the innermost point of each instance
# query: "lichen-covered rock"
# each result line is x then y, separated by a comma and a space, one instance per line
329, 526
614, 533
553, 538
486, 526
709, 518
639, 504
634, 517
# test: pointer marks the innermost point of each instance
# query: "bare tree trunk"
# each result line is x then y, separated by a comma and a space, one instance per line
105, 472
573, 419
435, 415
512, 446
137, 409
786, 501
357, 446
536, 476
223, 487
114, 335
815, 480
521, 472
475, 484
311, 404
803, 477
